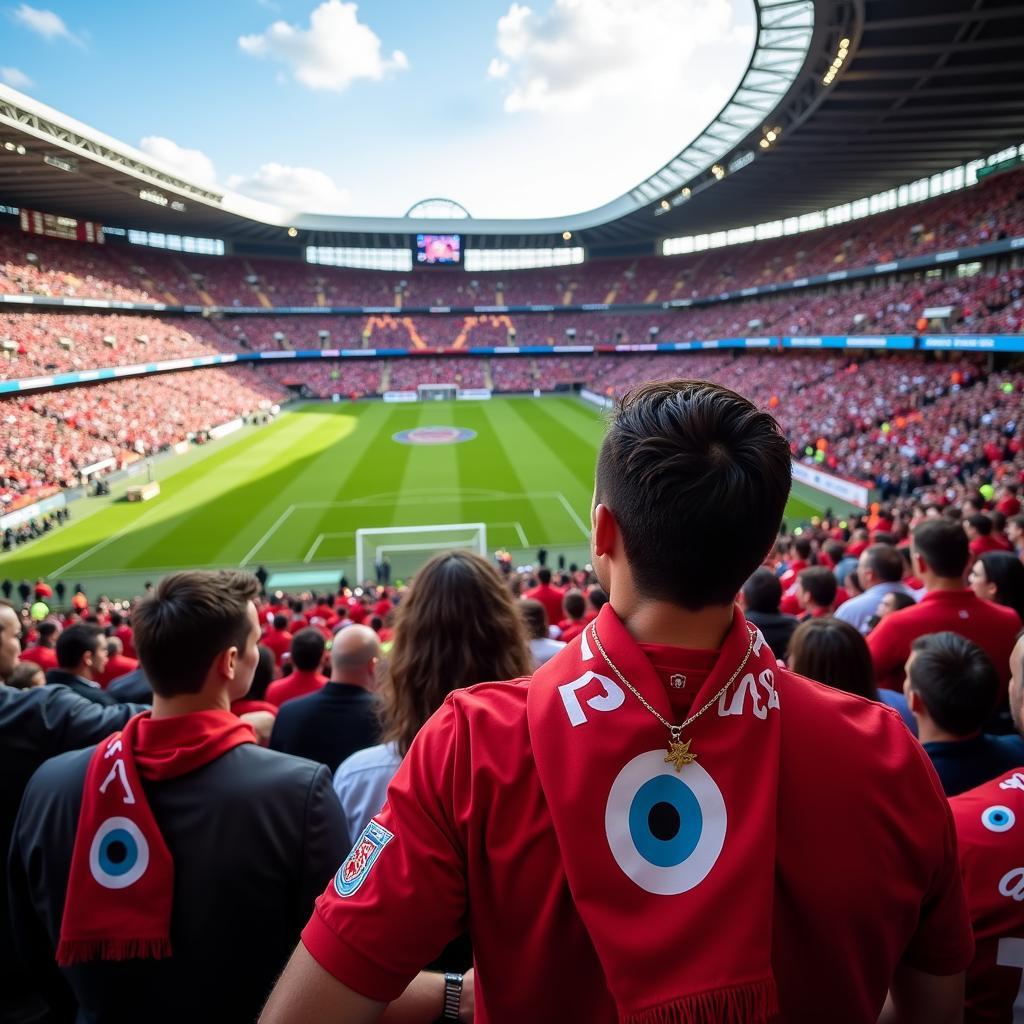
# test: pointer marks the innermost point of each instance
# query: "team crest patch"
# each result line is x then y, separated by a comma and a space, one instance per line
357, 864
434, 435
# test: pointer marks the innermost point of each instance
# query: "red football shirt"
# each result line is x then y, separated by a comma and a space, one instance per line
990, 827
44, 657
867, 871
570, 629
551, 598
298, 684
117, 665
980, 545
279, 641
991, 626
127, 638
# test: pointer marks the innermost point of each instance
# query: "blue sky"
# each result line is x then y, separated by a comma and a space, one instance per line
514, 109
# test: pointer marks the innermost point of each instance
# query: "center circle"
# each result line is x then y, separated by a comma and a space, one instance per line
665, 821
434, 435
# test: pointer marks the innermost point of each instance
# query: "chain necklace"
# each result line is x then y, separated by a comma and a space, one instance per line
679, 753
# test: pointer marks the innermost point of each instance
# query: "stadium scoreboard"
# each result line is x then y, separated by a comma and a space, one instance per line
52, 225
438, 250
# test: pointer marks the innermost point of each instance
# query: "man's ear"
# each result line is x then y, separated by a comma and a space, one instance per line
606, 531
226, 662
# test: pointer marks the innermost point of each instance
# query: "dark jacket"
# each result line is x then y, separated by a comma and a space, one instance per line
963, 764
133, 686
60, 677
34, 725
255, 836
776, 629
327, 726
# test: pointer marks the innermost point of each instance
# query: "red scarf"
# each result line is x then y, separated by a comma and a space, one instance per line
672, 872
119, 895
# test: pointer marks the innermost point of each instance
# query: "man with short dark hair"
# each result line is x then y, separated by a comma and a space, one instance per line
307, 655
81, 659
340, 717
668, 796
816, 591
879, 572
43, 652
169, 869
979, 533
548, 594
759, 600
278, 638
940, 556
574, 605
952, 688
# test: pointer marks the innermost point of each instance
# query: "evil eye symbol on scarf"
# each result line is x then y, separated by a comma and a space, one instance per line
665, 829
998, 818
119, 854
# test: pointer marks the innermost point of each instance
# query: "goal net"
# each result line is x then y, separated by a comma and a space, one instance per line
395, 552
437, 392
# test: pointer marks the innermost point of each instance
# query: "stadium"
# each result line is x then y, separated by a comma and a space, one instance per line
193, 378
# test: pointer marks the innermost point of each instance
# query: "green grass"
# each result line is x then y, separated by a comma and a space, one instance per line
291, 496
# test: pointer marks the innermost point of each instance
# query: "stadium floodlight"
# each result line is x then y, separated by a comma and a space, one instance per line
406, 548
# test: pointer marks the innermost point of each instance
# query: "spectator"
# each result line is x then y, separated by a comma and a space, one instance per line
262, 677
123, 632
940, 554
998, 576
535, 618
991, 839
979, 533
512, 788
44, 652
81, 658
816, 592
1015, 533
278, 638
26, 676
307, 655
549, 595
176, 924
117, 663
879, 571
834, 653
759, 600
456, 626
574, 604
952, 688
134, 687
892, 602
340, 718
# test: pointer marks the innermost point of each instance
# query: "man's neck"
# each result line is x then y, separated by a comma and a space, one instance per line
929, 732
658, 622
342, 680
189, 703
943, 583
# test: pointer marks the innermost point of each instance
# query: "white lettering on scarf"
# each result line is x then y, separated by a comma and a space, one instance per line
1015, 781
117, 772
612, 698
748, 685
1012, 884
585, 652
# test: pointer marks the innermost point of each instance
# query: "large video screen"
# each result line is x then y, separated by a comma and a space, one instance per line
438, 250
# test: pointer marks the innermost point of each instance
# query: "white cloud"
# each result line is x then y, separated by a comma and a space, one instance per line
336, 49
583, 54
189, 163
47, 24
16, 78
303, 189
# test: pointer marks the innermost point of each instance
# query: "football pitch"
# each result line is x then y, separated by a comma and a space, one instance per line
290, 496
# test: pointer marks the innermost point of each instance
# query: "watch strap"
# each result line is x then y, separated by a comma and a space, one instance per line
452, 996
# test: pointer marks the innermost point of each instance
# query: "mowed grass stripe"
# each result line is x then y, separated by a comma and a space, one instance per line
574, 453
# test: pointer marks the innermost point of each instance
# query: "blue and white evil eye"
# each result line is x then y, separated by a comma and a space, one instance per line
665, 829
998, 818
119, 854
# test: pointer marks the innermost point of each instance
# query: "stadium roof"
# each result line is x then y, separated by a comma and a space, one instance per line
864, 95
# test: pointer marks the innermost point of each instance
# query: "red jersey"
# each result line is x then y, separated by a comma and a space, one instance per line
990, 826
117, 665
1009, 506
570, 629
298, 684
991, 626
980, 545
551, 598
466, 832
279, 641
44, 657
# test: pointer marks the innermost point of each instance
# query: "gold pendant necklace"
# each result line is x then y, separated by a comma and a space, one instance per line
679, 753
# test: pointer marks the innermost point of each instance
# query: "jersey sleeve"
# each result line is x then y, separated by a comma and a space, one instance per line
399, 897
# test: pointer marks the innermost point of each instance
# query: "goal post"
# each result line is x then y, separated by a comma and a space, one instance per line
406, 548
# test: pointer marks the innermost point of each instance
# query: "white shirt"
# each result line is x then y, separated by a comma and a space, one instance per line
361, 783
544, 650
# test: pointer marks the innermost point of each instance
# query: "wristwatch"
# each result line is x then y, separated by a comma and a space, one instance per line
452, 996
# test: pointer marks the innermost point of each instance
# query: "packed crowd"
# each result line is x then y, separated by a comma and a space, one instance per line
266, 733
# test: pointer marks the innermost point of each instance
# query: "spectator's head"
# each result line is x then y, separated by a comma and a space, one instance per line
978, 525
816, 588
48, 632
1015, 530
880, 563
536, 618
852, 584
999, 576
114, 647
894, 601
800, 548
197, 632
10, 638
116, 620
263, 676
951, 685
82, 650
280, 622
835, 549
308, 646
574, 604
354, 657
970, 507
544, 576
26, 676
762, 592
597, 597
834, 653
680, 470
939, 551
457, 625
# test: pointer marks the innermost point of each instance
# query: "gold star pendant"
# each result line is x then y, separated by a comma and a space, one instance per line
679, 754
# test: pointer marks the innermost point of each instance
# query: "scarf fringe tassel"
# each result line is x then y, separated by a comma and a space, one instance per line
753, 1003
78, 951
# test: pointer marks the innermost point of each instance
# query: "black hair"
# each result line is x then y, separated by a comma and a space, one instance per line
697, 479
762, 592
956, 680
280, 621
820, 584
47, 630
885, 562
544, 575
1005, 570
981, 523
264, 674
942, 544
76, 642
308, 647
574, 604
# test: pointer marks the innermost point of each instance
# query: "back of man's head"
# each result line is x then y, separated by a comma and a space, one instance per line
544, 575
762, 592
280, 621
696, 478
114, 646
189, 619
75, 643
536, 618
819, 585
116, 619
956, 680
575, 604
597, 597
308, 649
802, 547
354, 655
48, 631
981, 523
885, 562
942, 544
